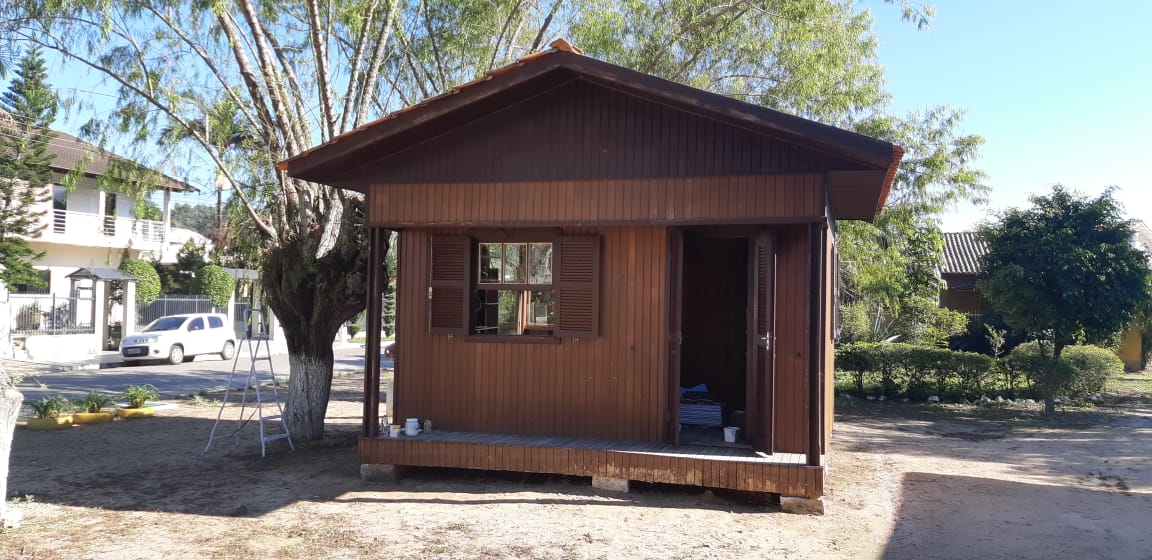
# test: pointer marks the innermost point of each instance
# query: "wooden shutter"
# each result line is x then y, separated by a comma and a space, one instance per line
449, 284
577, 286
762, 383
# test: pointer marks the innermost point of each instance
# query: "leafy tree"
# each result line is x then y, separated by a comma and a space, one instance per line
29, 107
888, 267
196, 217
1064, 270
245, 85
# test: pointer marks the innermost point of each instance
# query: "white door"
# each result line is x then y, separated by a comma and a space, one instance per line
196, 336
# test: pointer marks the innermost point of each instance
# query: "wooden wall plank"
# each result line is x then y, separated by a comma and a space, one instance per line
645, 201
612, 386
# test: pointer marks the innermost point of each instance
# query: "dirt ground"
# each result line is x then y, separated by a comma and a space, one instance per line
907, 481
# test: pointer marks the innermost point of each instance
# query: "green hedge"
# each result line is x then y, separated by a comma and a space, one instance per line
897, 369
913, 371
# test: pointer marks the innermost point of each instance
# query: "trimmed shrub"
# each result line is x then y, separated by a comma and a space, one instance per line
1082, 369
148, 282
217, 284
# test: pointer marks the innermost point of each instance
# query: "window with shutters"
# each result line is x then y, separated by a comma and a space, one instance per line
511, 287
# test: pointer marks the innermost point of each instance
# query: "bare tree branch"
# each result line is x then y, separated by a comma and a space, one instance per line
320, 52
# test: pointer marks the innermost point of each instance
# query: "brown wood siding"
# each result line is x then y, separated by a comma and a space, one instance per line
786, 475
961, 294
613, 386
579, 132
792, 343
708, 200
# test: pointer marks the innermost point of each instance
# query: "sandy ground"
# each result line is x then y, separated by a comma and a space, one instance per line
907, 481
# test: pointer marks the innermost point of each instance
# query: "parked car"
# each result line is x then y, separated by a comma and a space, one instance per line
180, 338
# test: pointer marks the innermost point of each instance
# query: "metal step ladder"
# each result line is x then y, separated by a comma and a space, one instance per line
253, 408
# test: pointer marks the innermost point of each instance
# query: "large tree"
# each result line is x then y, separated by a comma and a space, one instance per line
1064, 270
29, 107
244, 84
889, 267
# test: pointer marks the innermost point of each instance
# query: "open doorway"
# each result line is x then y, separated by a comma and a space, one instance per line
714, 343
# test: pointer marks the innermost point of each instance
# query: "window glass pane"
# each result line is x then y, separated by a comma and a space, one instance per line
540, 263
542, 309
490, 263
487, 311
510, 311
514, 263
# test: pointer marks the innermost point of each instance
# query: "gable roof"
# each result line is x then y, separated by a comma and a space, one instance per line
541, 71
71, 151
962, 253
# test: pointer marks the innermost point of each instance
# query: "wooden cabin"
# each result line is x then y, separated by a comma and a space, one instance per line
599, 270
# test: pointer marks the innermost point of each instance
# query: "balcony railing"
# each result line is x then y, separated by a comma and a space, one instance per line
83, 228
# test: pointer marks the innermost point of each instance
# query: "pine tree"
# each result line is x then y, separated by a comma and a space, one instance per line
29, 107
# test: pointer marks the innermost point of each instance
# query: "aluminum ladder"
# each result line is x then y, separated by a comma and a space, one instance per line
256, 402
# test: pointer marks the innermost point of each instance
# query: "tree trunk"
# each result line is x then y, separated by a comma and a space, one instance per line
10, 401
1050, 378
309, 386
312, 297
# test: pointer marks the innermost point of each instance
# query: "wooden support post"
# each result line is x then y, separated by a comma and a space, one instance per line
815, 340
371, 424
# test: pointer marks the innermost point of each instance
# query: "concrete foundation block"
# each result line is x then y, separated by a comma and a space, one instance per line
610, 484
804, 506
381, 473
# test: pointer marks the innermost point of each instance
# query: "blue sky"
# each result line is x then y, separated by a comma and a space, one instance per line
1059, 90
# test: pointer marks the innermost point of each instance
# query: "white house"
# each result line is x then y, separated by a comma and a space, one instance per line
87, 229
91, 226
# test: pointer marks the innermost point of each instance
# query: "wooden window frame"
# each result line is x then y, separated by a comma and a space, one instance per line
524, 288
575, 285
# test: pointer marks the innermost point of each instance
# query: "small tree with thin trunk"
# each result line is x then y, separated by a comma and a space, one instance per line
1062, 271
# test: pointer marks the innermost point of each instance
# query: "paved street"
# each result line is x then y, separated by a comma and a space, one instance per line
206, 373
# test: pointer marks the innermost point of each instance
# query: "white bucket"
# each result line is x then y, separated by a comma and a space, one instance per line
411, 427
731, 433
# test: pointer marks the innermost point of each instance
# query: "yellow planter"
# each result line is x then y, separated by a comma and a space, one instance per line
92, 417
50, 423
141, 412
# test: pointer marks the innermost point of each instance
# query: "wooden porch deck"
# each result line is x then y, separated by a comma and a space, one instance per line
711, 467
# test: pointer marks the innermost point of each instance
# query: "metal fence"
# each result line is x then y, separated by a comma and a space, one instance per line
173, 305
52, 314
240, 310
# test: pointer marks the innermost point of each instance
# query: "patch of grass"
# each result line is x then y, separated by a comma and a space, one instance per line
1130, 385
202, 400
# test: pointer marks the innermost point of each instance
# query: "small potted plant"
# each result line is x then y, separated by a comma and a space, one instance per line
137, 397
92, 409
51, 413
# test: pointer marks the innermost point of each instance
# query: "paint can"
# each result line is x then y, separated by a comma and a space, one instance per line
731, 433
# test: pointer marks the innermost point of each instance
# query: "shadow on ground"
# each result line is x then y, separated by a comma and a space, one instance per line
1000, 519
